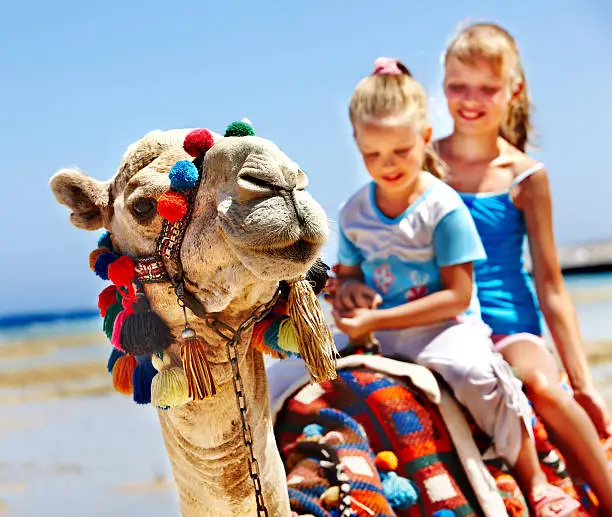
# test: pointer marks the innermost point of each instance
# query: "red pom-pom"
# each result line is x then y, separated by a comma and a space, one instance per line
172, 206
198, 142
122, 272
106, 298
386, 461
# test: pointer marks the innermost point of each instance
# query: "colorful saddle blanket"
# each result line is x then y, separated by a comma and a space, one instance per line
333, 468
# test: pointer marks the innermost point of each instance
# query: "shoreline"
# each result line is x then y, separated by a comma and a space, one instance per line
74, 365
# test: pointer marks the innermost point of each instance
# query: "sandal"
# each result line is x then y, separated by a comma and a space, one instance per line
556, 500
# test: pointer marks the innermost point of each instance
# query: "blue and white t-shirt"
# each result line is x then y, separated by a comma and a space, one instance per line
401, 258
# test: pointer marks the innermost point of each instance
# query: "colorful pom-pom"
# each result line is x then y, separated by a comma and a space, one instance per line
93, 256
239, 128
142, 379
317, 276
122, 271
287, 337
172, 206
386, 461
398, 490
198, 142
123, 373
109, 319
112, 359
102, 263
183, 175
169, 388
116, 335
106, 298
312, 430
105, 241
145, 333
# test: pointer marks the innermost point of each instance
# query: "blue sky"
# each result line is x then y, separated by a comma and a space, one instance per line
82, 80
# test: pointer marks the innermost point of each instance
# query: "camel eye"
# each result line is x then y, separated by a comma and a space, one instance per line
144, 208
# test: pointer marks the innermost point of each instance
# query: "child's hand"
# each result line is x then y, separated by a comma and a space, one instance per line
353, 294
596, 408
355, 323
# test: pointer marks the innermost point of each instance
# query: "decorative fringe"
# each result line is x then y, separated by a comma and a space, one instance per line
142, 379
145, 333
123, 372
169, 387
315, 342
116, 336
258, 341
109, 319
112, 359
197, 369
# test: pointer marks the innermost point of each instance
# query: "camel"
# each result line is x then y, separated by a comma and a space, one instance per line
253, 225
250, 228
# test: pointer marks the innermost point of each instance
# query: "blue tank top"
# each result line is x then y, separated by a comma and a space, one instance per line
507, 298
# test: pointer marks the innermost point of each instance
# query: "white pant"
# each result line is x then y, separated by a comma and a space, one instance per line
462, 353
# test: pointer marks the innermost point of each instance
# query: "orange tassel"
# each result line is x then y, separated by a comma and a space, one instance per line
200, 381
123, 371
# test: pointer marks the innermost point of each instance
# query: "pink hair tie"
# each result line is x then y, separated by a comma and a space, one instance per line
386, 66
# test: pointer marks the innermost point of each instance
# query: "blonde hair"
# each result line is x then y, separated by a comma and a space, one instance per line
385, 95
495, 45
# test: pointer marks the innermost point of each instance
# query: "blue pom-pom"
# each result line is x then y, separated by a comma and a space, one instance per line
444, 513
142, 379
105, 241
183, 175
102, 263
312, 430
112, 359
399, 491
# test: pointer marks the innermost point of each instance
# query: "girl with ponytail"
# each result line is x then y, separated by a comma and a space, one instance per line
406, 254
507, 193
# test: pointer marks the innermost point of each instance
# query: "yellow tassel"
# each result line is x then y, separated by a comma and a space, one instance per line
197, 369
315, 342
287, 337
169, 386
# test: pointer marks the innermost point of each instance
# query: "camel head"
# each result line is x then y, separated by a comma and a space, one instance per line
238, 213
253, 222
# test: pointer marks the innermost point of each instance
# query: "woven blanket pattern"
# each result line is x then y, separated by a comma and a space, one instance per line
372, 413
392, 417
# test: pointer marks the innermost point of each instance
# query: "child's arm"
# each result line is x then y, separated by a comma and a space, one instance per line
456, 246
535, 202
451, 301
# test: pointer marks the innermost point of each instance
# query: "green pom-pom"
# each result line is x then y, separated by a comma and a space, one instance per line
239, 128
109, 320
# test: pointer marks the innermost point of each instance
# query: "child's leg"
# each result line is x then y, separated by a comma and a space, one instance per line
483, 382
567, 421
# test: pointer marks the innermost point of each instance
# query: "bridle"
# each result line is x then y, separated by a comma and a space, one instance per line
311, 333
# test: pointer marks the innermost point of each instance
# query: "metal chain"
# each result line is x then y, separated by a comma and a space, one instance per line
232, 336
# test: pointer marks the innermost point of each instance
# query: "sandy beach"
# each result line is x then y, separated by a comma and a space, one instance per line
70, 446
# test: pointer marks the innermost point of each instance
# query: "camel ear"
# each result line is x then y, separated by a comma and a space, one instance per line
88, 199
